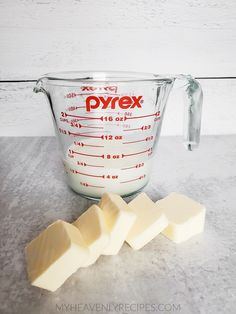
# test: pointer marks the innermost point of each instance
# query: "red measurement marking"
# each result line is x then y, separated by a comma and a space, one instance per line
113, 177
127, 114
74, 121
156, 114
72, 95
90, 126
64, 115
72, 108
128, 168
84, 135
100, 88
79, 163
143, 128
93, 145
136, 166
139, 178
96, 186
144, 140
62, 131
107, 118
145, 151
90, 185
89, 155
111, 137
64, 120
112, 118
108, 156
132, 129
134, 142
88, 175
146, 127
88, 145
95, 166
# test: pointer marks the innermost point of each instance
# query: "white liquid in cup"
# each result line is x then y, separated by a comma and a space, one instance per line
118, 171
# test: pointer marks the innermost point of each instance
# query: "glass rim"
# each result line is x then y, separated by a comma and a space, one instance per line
105, 76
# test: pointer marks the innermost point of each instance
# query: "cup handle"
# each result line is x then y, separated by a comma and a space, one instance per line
193, 98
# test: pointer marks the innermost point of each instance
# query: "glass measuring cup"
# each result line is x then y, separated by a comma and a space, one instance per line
108, 125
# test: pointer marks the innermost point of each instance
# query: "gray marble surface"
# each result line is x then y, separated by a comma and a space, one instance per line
198, 276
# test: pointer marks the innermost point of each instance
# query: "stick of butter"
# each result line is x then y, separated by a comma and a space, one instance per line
91, 225
119, 220
186, 217
149, 223
54, 255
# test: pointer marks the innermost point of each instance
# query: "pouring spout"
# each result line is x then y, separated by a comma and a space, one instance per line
40, 85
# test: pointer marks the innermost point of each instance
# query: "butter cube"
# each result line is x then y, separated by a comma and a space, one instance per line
186, 217
119, 220
54, 255
91, 225
149, 223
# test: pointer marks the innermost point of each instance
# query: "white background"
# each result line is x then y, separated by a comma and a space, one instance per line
159, 36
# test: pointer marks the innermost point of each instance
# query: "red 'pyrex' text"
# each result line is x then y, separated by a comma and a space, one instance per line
124, 102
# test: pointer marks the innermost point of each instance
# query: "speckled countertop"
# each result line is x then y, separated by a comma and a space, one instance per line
198, 276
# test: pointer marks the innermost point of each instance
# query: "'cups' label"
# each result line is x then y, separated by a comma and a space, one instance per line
123, 102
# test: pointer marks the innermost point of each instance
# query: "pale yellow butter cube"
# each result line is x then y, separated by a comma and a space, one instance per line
149, 223
186, 217
93, 229
54, 255
119, 220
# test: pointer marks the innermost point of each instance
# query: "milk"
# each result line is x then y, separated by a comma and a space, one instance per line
111, 166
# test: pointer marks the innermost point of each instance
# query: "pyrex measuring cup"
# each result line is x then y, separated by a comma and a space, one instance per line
108, 124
